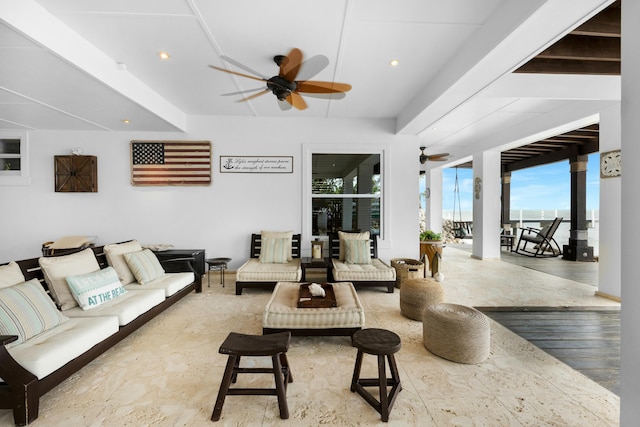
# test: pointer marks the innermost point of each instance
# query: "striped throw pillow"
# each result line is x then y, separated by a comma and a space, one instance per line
26, 311
357, 252
275, 250
144, 265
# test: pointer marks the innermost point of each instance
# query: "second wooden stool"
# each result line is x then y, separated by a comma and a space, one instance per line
238, 345
381, 343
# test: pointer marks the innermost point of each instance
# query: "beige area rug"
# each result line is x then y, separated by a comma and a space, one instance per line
168, 372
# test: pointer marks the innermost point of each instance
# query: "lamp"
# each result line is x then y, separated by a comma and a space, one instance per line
316, 249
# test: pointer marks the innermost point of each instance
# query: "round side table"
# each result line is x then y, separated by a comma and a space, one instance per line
216, 264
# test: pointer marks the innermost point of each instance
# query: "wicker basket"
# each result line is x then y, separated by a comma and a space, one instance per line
406, 269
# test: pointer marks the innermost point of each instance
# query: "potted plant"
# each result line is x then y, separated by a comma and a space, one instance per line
430, 243
429, 235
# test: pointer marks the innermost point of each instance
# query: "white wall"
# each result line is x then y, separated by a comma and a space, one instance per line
218, 218
630, 342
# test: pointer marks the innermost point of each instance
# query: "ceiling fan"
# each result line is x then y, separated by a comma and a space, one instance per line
440, 157
284, 85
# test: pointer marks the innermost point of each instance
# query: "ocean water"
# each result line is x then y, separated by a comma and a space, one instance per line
533, 218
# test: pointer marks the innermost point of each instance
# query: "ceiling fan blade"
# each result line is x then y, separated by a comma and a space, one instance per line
248, 98
312, 66
296, 100
236, 73
242, 92
314, 86
334, 95
244, 67
440, 157
291, 65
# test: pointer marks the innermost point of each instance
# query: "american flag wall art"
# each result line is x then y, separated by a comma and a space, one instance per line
170, 163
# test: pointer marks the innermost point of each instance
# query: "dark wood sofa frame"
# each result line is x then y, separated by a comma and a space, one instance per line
21, 390
334, 252
254, 252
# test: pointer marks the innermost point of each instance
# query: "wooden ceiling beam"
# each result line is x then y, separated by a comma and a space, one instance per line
584, 48
569, 66
605, 24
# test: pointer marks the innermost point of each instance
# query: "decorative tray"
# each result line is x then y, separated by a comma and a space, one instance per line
306, 300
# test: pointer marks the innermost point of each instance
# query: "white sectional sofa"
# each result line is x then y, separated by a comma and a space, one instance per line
42, 343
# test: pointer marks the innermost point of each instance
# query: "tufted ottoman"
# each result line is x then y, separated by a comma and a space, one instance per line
283, 314
417, 294
456, 332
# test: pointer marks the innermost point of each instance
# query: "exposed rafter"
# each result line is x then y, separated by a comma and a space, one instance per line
592, 48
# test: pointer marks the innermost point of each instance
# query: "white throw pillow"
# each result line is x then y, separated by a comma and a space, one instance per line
57, 268
114, 253
144, 265
342, 236
26, 311
94, 289
10, 275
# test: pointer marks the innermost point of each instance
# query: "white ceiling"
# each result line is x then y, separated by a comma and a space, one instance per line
87, 65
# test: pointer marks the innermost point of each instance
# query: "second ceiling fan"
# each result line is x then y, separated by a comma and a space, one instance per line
284, 85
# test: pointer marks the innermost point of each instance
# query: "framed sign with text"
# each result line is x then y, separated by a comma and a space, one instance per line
256, 164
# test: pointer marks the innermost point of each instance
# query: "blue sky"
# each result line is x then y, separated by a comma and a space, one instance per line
545, 187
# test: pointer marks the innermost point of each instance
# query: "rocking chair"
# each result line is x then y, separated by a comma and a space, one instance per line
541, 241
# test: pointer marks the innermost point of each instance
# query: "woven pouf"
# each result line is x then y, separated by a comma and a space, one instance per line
456, 332
417, 294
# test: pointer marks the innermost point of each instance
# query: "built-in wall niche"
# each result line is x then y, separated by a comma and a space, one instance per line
14, 159
10, 156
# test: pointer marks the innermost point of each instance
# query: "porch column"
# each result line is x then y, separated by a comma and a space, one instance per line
630, 351
433, 200
609, 251
505, 217
578, 248
486, 205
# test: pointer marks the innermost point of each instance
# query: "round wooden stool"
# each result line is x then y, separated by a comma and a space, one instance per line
381, 343
238, 345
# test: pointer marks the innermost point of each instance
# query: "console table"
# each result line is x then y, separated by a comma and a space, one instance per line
197, 254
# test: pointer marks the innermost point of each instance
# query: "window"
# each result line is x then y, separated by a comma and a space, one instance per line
13, 159
344, 192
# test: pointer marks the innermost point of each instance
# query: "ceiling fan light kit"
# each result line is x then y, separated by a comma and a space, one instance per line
284, 86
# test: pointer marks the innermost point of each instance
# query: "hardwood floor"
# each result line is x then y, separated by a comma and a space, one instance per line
588, 341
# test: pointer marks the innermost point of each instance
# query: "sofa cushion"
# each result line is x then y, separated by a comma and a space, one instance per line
170, 283
98, 287
10, 275
114, 253
56, 269
275, 250
357, 251
26, 311
342, 236
144, 265
280, 234
126, 307
46, 352
377, 270
255, 271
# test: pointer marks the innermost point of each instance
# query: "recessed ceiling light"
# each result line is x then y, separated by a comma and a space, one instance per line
394, 62
126, 121
163, 55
